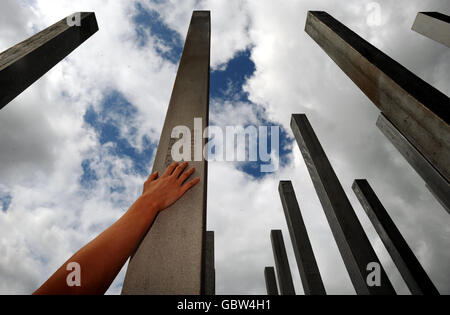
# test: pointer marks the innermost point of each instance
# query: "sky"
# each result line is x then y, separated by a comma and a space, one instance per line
76, 147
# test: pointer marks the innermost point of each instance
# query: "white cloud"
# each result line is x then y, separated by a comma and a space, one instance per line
229, 22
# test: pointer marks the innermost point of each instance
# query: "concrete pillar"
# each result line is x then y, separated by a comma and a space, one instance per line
418, 110
306, 262
282, 263
350, 237
433, 25
438, 199
436, 183
271, 281
210, 271
24, 63
169, 259
409, 267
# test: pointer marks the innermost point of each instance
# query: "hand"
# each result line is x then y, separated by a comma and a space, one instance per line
162, 192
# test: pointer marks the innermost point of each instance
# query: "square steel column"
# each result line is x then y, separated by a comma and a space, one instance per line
169, 259
418, 110
24, 63
409, 267
350, 237
271, 281
437, 184
210, 271
433, 25
306, 262
282, 263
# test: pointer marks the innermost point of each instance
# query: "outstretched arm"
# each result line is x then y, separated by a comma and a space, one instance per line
102, 258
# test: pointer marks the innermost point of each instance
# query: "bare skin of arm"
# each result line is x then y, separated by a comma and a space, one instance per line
102, 258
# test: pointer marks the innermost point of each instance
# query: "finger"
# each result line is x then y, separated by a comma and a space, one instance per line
190, 184
186, 174
153, 176
170, 169
180, 169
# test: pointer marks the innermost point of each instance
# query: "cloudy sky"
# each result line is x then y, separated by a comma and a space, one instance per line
76, 146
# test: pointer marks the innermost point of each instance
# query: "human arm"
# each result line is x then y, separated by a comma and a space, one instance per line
102, 258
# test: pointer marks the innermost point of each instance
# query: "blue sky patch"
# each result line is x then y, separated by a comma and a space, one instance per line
89, 176
114, 111
227, 85
169, 44
5, 201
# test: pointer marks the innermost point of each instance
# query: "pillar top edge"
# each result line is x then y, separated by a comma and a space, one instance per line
201, 13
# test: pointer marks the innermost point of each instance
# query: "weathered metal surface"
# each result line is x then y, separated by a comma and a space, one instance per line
282, 263
24, 63
271, 281
350, 237
434, 25
409, 267
418, 110
436, 183
306, 262
210, 270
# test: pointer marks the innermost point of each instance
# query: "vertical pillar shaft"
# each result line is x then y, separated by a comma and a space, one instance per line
445, 206
436, 183
24, 63
409, 267
271, 281
210, 271
419, 111
306, 262
433, 25
282, 263
350, 237
169, 259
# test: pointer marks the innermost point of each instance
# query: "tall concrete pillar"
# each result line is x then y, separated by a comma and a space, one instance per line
271, 281
436, 183
409, 267
350, 237
210, 270
169, 259
446, 207
418, 110
24, 63
306, 262
433, 25
282, 263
